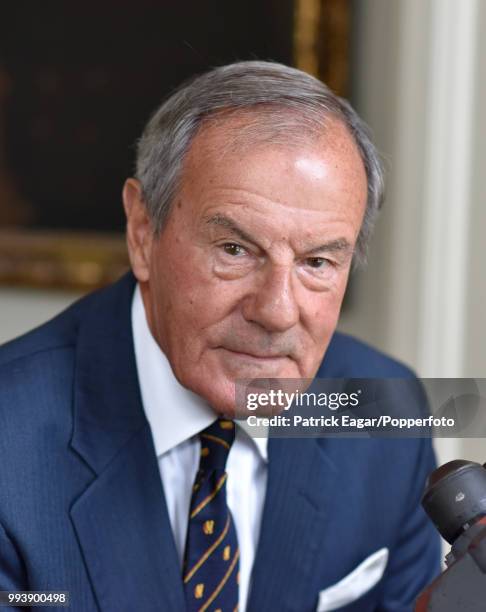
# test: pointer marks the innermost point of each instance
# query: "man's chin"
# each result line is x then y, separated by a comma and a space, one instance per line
236, 366
230, 398
215, 389
223, 404
221, 384
239, 410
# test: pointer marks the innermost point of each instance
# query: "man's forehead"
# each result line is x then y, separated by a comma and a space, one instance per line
238, 129
307, 190
238, 135
284, 180
242, 129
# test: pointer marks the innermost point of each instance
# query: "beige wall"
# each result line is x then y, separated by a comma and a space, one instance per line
23, 309
420, 81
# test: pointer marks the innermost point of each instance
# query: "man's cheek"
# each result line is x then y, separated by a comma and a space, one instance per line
323, 310
322, 324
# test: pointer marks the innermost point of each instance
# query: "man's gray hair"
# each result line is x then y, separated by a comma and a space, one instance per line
275, 96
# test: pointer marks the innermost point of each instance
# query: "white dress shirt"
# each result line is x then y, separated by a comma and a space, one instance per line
176, 416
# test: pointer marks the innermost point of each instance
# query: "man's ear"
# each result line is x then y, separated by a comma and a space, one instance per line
139, 229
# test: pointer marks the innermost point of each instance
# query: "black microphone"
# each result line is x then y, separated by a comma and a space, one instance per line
455, 501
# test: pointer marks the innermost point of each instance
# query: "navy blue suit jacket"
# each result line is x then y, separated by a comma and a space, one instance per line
82, 508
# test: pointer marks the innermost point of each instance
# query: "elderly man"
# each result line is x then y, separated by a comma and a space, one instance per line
124, 478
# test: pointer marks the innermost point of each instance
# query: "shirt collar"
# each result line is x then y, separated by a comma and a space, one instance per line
174, 413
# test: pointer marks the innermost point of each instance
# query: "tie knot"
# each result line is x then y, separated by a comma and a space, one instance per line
216, 441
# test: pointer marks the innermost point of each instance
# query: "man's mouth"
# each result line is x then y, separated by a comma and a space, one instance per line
262, 357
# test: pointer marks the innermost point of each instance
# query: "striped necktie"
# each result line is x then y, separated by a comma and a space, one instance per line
210, 571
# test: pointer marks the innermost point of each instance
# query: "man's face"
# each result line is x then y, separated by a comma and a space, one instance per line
247, 277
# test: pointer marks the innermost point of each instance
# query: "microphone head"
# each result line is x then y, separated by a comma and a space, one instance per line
455, 497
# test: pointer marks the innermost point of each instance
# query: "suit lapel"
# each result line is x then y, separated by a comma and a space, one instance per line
121, 519
297, 503
124, 531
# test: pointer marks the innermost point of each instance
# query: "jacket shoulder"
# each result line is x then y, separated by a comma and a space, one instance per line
36, 373
349, 357
59, 332
39, 365
62, 330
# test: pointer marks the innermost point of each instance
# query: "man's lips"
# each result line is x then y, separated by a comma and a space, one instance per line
256, 356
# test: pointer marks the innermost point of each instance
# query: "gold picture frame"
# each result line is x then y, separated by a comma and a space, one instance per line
87, 260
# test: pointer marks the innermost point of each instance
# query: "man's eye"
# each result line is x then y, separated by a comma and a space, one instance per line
233, 249
317, 262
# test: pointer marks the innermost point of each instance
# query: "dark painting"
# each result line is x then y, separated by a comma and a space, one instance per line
77, 83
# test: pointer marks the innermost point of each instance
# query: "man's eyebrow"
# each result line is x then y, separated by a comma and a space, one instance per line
333, 246
226, 222
339, 245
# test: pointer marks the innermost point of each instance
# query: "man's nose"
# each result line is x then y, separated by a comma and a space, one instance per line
273, 303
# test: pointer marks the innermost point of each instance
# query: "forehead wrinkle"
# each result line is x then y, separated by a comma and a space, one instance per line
241, 201
246, 192
238, 130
